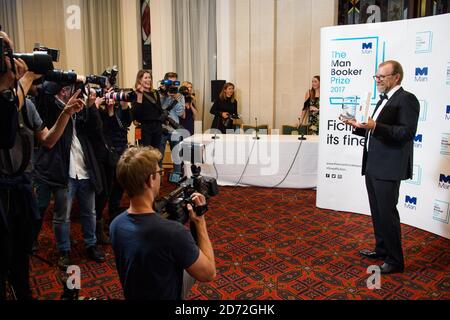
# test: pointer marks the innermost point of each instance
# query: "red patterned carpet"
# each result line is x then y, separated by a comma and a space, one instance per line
275, 244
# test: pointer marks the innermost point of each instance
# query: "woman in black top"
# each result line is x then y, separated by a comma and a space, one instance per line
223, 108
310, 112
147, 110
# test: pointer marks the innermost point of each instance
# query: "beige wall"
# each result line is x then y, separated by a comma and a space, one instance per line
271, 49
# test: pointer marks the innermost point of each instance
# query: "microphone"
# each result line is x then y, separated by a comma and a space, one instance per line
256, 137
302, 135
215, 137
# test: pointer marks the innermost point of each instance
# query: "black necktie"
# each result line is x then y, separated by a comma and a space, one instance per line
382, 97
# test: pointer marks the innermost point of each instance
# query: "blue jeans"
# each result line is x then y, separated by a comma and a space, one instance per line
174, 139
85, 193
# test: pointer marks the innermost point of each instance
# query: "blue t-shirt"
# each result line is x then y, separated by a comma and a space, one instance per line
151, 254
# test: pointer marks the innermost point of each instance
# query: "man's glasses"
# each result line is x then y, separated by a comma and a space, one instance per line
161, 172
381, 77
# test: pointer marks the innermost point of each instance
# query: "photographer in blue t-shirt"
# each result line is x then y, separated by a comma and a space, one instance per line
156, 258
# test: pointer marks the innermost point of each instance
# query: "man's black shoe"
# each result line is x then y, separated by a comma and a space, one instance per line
64, 260
387, 268
371, 254
96, 254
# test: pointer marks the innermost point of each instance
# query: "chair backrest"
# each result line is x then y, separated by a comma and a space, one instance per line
249, 129
289, 130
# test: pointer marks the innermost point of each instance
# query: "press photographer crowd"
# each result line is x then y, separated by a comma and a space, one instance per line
65, 136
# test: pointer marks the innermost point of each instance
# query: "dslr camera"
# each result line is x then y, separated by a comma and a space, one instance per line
185, 92
38, 62
174, 205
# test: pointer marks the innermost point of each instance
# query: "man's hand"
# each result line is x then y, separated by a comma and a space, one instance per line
225, 115
74, 105
369, 125
99, 101
199, 200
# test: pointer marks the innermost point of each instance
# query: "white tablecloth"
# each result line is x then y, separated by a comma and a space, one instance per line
269, 159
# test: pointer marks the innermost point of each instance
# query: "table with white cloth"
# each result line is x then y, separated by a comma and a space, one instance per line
239, 159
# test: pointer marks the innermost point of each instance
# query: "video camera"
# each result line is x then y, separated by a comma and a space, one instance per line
174, 205
38, 62
169, 86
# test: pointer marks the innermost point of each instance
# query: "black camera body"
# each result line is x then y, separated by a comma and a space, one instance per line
37, 62
54, 53
98, 80
111, 74
174, 205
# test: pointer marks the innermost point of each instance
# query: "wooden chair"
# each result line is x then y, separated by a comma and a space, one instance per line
289, 130
262, 129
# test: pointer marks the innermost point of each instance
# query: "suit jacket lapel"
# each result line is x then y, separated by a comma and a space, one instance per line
394, 96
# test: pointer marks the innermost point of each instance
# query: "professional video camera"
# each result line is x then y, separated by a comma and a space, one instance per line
168, 86
174, 205
37, 62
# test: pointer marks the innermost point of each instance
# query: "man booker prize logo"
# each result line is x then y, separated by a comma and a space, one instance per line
445, 144
421, 74
410, 202
367, 48
444, 181
441, 211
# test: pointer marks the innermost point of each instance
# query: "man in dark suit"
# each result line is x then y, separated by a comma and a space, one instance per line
388, 159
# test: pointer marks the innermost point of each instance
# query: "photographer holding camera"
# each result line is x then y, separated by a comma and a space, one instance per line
69, 168
19, 122
173, 103
190, 109
116, 119
152, 252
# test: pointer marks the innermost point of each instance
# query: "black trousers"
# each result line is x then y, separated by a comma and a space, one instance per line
19, 207
151, 134
383, 199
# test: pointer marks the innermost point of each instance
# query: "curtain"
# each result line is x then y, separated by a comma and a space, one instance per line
102, 35
196, 48
8, 19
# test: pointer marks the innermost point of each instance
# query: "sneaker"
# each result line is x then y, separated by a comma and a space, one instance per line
96, 254
64, 260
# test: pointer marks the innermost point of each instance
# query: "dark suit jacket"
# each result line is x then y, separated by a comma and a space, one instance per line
390, 155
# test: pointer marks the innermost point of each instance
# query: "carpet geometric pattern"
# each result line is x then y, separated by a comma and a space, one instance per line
275, 244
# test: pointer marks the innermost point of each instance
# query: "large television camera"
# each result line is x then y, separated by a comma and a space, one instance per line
168, 86
174, 205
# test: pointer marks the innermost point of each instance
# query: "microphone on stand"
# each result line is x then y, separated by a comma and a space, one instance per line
256, 137
217, 129
302, 135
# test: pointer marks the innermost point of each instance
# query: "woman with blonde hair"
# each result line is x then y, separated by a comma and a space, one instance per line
310, 112
147, 109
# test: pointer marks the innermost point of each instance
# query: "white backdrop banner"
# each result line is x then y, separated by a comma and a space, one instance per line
350, 56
